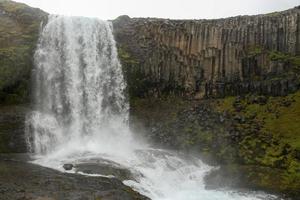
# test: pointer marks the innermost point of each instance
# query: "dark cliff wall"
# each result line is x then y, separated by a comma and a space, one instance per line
211, 57
19, 29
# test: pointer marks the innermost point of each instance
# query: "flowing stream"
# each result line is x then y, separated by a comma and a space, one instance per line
81, 116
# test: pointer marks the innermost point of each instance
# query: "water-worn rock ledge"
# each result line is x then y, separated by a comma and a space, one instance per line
22, 180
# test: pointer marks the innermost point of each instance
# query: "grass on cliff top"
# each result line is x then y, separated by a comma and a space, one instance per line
19, 28
11, 6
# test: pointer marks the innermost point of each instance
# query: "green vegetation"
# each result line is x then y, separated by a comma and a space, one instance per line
126, 57
271, 137
285, 58
273, 14
12, 7
286, 122
255, 50
18, 37
294, 61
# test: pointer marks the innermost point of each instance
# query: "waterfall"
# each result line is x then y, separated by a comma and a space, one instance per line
81, 111
79, 85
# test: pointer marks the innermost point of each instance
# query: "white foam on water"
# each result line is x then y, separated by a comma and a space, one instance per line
81, 113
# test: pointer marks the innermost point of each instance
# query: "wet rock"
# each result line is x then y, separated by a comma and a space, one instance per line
12, 129
20, 179
68, 166
221, 119
105, 168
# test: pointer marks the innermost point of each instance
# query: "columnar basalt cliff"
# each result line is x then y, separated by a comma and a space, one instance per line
211, 57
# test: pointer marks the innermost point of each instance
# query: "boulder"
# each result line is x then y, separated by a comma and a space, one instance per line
68, 167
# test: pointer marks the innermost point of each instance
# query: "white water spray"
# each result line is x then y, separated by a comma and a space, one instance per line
81, 115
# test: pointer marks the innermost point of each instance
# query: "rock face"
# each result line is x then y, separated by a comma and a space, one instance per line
19, 28
211, 57
68, 167
12, 128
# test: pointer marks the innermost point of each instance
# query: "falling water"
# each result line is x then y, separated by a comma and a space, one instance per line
79, 90
81, 115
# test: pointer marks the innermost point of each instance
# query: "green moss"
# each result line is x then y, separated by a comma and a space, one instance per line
12, 7
255, 50
225, 104
261, 151
286, 124
18, 36
126, 57
273, 14
278, 56
271, 136
280, 115
284, 57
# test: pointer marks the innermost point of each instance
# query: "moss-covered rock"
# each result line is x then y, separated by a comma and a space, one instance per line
258, 135
19, 29
270, 137
256, 177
